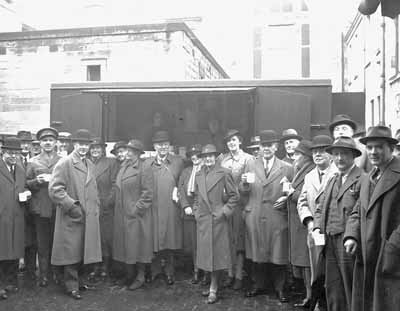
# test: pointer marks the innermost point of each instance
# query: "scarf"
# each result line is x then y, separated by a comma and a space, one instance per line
190, 189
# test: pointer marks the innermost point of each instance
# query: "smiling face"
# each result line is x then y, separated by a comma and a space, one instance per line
290, 145
121, 154
268, 150
96, 152
162, 148
343, 158
233, 143
132, 154
48, 144
341, 130
379, 152
209, 159
26, 147
10, 156
82, 147
321, 158
196, 160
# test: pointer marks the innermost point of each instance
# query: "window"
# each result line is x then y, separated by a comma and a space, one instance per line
93, 72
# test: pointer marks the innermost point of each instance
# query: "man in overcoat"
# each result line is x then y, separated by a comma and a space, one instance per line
333, 210
266, 215
105, 172
373, 229
298, 250
12, 223
216, 197
73, 189
167, 220
290, 140
133, 230
42, 208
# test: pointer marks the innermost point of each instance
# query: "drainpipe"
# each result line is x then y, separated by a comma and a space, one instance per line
383, 75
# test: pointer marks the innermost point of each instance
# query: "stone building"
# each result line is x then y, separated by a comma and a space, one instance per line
372, 65
31, 61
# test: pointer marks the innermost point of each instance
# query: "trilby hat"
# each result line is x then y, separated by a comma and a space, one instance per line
379, 132
255, 142
304, 147
118, 144
342, 119
321, 141
11, 143
24, 136
160, 136
82, 135
136, 145
346, 143
268, 136
290, 134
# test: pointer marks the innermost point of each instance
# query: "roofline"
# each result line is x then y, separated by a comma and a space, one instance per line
112, 30
354, 25
190, 84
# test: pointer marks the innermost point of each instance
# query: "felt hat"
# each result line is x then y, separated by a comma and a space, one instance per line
268, 136
24, 136
98, 142
195, 149
230, 133
118, 144
254, 142
82, 135
64, 136
11, 143
321, 141
209, 149
379, 132
342, 119
290, 134
160, 136
344, 142
136, 145
304, 147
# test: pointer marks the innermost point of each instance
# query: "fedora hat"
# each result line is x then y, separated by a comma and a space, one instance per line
321, 141
24, 136
209, 149
47, 131
268, 136
160, 136
136, 145
379, 132
255, 142
195, 149
11, 143
82, 135
290, 134
304, 147
64, 136
342, 119
98, 142
230, 133
344, 142
118, 144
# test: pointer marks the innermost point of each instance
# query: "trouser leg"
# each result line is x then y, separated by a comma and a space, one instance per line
44, 242
71, 277
278, 276
258, 272
140, 271
31, 245
335, 293
346, 266
170, 263
9, 273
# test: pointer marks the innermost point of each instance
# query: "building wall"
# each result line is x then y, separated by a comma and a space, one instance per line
28, 67
365, 58
9, 20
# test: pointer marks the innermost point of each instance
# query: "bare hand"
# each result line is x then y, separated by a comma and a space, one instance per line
188, 211
40, 179
310, 226
280, 202
350, 246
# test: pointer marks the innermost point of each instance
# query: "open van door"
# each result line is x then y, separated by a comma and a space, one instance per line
277, 110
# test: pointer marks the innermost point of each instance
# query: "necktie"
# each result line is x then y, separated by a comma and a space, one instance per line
25, 161
12, 171
321, 176
339, 181
266, 169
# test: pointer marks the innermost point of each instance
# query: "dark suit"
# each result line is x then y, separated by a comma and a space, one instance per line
331, 215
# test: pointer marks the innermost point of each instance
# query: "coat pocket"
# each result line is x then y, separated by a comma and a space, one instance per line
391, 260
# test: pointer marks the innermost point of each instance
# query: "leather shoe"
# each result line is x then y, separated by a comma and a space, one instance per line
3, 294
85, 287
205, 293
254, 292
282, 297
206, 279
43, 282
75, 294
136, 284
304, 304
238, 284
170, 280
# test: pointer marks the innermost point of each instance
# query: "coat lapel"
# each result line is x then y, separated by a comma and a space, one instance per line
214, 177
275, 171
259, 170
390, 177
299, 177
351, 179
78, 164
201, 181
4, 170
100, 167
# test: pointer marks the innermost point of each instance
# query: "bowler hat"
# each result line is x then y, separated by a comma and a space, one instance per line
11, 143
342, 119
160, 136
82, 135
47, 131
344, 142
321, 141
64, 136
98, 142
268, 136
230, 133
290, 134
118, 144
254, 142
379, 132
304, 147
195, 149
209, 149
24, 136
135, 144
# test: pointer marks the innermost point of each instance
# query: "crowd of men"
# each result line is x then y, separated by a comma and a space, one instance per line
326, 213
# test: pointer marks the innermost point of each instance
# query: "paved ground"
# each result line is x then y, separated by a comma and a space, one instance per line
157, 296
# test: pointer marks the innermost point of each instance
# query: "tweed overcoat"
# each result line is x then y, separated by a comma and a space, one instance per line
75, 239
266, 226
216, 197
